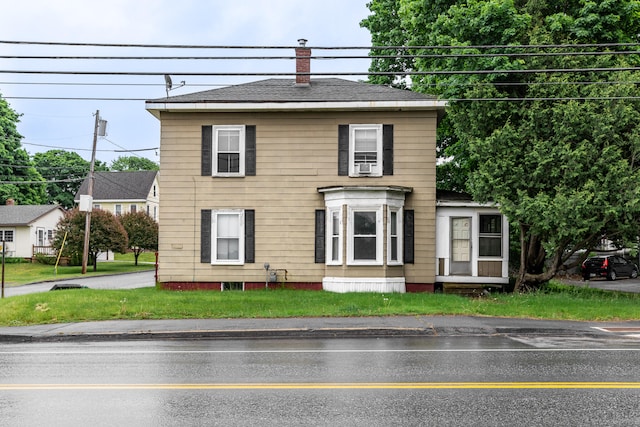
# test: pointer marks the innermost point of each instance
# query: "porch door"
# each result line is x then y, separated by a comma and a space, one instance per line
40, 233
460, 246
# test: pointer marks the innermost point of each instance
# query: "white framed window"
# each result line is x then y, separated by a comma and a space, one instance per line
394, 236
334, 236
118, 210
227, 244
365, 150
490, 236
133, 208
228, 150
364, 234
97, 206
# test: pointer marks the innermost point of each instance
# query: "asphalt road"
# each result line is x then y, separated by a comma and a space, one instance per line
479, 381
117, 281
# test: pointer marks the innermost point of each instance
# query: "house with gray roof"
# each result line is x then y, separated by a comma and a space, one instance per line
23, 227
307, 183
123, 192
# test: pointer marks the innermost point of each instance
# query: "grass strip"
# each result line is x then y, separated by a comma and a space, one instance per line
556, 301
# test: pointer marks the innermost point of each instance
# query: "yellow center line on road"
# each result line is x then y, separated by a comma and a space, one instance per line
317, 386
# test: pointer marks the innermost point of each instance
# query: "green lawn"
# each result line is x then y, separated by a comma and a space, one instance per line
77, 305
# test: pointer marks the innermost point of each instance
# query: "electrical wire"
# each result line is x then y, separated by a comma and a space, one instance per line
325, 74
368, 57
238, 47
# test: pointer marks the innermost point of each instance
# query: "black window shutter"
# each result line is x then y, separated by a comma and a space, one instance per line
387, 149
207, 147
320, 236
249, 236
205, 236
343, 150
408, 240
250, 151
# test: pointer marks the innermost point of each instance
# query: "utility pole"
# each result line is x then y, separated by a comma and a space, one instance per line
4, 245
87, 225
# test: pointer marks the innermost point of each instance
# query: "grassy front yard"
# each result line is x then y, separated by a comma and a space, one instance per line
77, 305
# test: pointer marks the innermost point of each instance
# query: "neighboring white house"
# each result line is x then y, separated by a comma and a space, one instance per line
24, 226
472, 241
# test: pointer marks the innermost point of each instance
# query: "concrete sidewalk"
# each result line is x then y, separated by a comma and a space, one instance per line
308, 328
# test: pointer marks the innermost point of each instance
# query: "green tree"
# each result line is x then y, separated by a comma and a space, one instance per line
19, 180
142, 231
106, 234
64, 172
132, 163
557, 150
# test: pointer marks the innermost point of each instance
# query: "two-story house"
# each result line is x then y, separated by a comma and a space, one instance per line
124, 192
311, 183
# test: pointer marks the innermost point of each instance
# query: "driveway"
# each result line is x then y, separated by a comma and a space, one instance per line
623, 284
115, 281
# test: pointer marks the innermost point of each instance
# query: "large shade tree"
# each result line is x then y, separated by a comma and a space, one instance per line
64, 171
133, 163
543, 116
19, 180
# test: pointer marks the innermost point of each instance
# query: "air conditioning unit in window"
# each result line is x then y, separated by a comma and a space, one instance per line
364, 168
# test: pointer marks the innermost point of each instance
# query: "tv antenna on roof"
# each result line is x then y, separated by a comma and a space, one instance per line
169, 84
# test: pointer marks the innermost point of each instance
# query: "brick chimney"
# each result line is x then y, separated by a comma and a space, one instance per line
303, 63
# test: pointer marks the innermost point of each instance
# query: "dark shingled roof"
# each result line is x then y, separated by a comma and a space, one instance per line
285, 90
133, 185
21, 215
452, 196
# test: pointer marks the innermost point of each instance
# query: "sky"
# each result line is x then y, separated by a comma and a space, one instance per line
48, 124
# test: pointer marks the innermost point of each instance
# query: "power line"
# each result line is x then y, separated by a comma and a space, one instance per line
325, 74
110, 84
53, 181
69, 148
238, 47
415, 56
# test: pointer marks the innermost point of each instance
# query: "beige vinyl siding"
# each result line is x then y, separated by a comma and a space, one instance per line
296, 154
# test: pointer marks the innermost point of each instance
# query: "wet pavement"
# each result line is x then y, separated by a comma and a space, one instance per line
301, 327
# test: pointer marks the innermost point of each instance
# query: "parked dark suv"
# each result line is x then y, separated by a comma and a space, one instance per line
611, 267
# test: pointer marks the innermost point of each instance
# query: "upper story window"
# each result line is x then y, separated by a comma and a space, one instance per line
365, 150
229, 152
